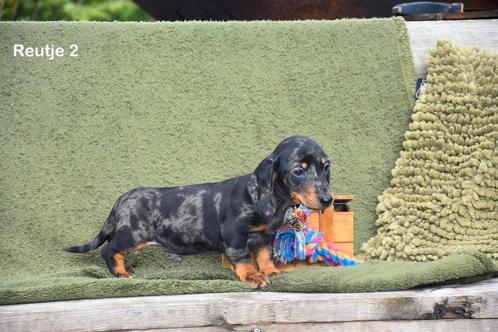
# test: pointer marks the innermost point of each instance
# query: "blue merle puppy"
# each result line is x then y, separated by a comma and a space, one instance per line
237, 217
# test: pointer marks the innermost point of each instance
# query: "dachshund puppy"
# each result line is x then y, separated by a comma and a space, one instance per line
237, 217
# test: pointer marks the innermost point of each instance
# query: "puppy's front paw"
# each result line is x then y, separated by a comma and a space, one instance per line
271, 270
265, 263
247, 273
258, 280
125, 274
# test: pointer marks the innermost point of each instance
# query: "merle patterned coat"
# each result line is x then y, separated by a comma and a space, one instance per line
237, 217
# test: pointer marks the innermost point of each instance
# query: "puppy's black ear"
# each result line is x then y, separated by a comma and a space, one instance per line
260, 187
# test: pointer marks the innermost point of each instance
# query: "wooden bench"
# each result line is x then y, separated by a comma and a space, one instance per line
456, 308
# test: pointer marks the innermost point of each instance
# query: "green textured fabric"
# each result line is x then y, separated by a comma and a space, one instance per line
203, 274
444, 192
157, 104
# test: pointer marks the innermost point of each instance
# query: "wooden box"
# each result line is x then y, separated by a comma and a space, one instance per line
335, 222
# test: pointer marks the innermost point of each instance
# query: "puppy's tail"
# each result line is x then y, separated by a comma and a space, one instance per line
107, 232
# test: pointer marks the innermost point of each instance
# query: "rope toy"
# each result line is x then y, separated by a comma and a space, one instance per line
295, 240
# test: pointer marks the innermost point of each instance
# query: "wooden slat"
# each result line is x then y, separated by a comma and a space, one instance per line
326, 223
478, 300
313, 220
342, 227
424, 35
453, 325
347, 247
343, 198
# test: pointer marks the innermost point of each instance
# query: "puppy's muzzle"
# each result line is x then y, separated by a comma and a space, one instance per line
326, 200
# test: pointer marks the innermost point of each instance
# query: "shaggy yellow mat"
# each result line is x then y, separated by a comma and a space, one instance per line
444, 192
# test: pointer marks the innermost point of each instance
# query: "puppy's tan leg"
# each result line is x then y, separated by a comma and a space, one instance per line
116, 260
119, 267
265, 263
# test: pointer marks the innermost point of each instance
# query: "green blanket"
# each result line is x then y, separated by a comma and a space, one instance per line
174, 103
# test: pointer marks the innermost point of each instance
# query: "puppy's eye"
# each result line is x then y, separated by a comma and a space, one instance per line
326, 167
298, 171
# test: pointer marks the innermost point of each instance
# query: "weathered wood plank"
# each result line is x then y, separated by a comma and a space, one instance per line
478, 300
454, 325
424, 35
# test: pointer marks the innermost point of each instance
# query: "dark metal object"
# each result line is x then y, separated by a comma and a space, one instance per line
427, 7
454, 16
430, 11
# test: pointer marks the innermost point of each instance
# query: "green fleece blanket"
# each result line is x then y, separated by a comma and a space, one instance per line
174, 103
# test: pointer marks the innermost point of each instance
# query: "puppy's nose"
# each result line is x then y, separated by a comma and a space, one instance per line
326, 200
